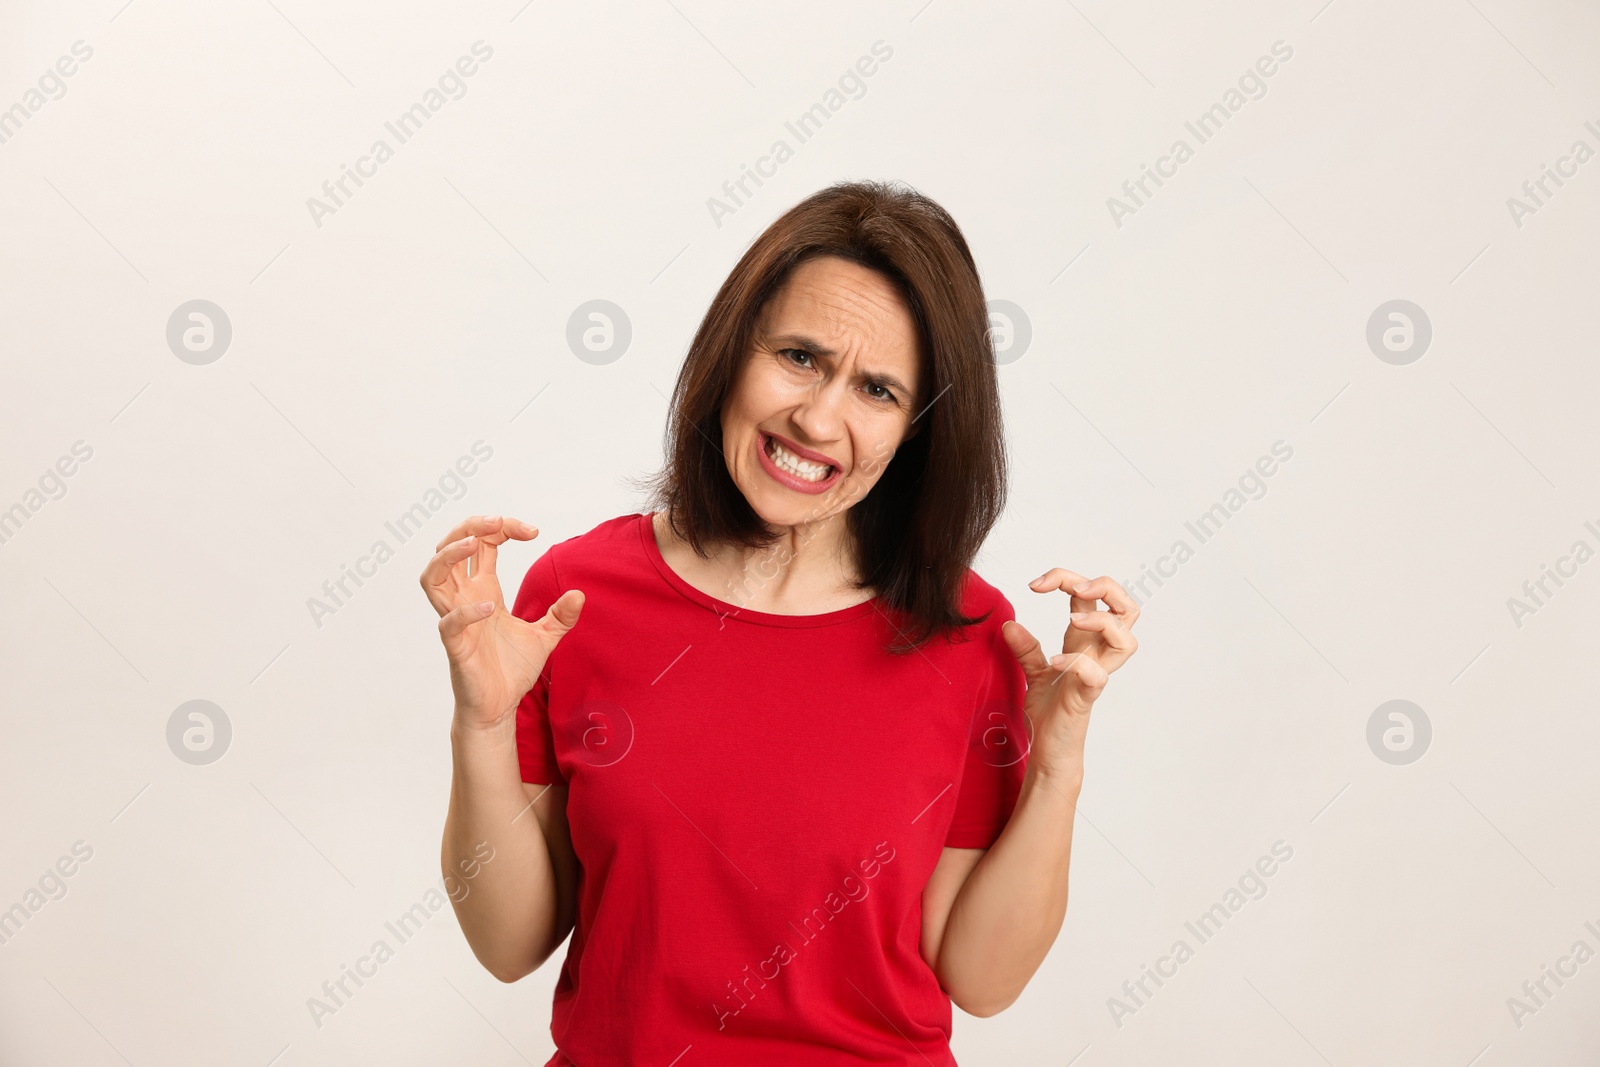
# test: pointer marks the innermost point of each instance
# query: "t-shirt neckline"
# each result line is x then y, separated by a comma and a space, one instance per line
724, 608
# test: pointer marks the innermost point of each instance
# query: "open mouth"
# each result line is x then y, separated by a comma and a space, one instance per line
794, 470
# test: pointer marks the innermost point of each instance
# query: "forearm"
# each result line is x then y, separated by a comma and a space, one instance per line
509, 911
1011, 907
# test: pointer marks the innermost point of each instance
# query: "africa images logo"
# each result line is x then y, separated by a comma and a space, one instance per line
812, 925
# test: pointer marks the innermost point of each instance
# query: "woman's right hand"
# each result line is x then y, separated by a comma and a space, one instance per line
495, 657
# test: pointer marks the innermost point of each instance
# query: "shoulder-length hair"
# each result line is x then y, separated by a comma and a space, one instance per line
918, 530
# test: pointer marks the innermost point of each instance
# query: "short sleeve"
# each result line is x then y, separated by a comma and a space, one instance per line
997, 748
536, 751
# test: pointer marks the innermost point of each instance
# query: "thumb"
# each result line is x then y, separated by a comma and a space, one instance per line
563, 614
1025, 647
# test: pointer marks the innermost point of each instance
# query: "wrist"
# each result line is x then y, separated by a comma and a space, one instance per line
468, 728
1059, 765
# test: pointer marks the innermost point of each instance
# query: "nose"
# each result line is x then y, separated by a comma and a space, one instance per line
820, 416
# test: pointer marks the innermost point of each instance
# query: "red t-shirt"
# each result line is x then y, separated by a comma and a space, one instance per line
757, 802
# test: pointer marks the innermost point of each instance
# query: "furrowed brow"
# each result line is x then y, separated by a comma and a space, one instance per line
798, 340
801, 341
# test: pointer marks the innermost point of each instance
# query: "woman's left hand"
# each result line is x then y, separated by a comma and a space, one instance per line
1062, 689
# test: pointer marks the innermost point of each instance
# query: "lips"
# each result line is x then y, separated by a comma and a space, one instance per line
789, 479
803, 453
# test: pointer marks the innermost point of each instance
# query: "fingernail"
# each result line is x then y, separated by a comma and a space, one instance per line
486, 606
1080, 587
491, 518
1080, 615
1037, 580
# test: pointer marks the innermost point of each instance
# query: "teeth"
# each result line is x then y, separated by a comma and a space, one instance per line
811, 472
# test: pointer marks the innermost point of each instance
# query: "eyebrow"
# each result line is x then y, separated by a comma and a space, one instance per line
797, 340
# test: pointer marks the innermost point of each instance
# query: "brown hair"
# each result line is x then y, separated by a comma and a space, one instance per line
919, 528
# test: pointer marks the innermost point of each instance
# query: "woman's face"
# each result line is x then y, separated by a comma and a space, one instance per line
826, 395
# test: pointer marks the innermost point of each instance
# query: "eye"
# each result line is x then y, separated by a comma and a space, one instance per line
802, 353
886, 393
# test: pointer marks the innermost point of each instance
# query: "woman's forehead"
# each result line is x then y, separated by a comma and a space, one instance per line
832, 313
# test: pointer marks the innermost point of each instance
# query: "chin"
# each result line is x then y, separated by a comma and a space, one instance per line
777, 512
777, 506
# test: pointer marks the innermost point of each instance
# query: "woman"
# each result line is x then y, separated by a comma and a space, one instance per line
797, 779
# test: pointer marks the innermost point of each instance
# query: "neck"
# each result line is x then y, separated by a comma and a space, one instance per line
810, 568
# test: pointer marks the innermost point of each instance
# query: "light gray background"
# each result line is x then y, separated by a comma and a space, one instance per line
1168, 354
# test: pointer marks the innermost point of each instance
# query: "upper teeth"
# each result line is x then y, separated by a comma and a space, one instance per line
811, 472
